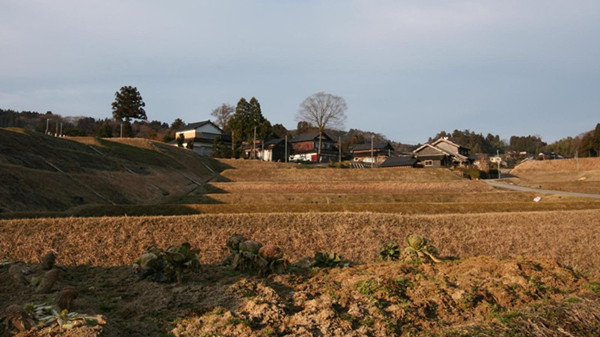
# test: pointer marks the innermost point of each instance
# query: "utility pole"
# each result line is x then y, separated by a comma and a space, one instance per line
340, 147
254, 145
286, 154
499, 162
577, 159
47, 125
372, 156
232, 145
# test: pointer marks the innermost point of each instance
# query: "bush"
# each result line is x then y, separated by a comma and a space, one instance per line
472, 173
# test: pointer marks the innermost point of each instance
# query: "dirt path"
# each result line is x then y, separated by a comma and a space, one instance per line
538, 190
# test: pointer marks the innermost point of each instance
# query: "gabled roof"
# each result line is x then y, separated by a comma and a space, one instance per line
441, 151
194, 126
367, 146
440, 140
399, 161
309, 136
274, 141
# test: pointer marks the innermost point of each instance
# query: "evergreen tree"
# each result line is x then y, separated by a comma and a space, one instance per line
247, 116
128, 105
105, 130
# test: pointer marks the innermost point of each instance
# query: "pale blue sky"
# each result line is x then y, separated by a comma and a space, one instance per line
407, 69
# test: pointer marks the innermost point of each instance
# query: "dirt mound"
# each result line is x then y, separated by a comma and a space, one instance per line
479, 295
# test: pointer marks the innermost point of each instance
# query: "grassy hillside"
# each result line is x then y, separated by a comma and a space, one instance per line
574, 175
43, 173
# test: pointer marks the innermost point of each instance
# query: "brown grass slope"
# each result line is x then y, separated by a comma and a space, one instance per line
573, 175
43, 173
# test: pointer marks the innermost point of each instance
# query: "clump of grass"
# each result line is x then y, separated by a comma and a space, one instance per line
594, 286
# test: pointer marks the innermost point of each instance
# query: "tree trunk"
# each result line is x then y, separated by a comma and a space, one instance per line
319, 149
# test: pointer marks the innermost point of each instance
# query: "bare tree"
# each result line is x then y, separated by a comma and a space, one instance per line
323, 110
223, 114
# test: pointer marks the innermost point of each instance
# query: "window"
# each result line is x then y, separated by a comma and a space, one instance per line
428, 163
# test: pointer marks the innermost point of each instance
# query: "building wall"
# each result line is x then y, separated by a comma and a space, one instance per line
304, 146
431, 163
203, 149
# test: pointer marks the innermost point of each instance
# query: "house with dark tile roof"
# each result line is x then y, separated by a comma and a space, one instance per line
200, 137
442, 153
305, 146
377, 154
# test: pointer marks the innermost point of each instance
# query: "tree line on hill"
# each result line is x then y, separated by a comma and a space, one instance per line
492, 144
86, 126
241, 121
586, 144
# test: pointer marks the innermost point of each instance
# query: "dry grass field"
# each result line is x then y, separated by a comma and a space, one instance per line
569, 237
511, 266
573, 175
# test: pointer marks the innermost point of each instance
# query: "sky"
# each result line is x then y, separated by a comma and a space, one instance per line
407, 69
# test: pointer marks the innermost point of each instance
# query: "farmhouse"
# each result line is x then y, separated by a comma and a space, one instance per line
274, 150
304, 148
200, 137
442, 152
377, 154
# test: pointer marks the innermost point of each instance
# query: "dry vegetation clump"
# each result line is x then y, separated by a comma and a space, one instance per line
570, 237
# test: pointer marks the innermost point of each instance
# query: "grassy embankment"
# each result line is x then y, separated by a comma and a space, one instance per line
573, 175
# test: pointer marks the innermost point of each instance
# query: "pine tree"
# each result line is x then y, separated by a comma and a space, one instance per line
128, 105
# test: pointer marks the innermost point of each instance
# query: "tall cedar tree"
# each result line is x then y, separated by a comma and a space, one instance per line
247, 116
128, 105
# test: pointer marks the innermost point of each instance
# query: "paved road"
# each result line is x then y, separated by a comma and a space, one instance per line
538, 190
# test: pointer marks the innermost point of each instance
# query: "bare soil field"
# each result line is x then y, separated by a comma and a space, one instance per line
475, 296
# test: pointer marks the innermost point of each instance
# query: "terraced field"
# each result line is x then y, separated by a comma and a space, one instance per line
511, 265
